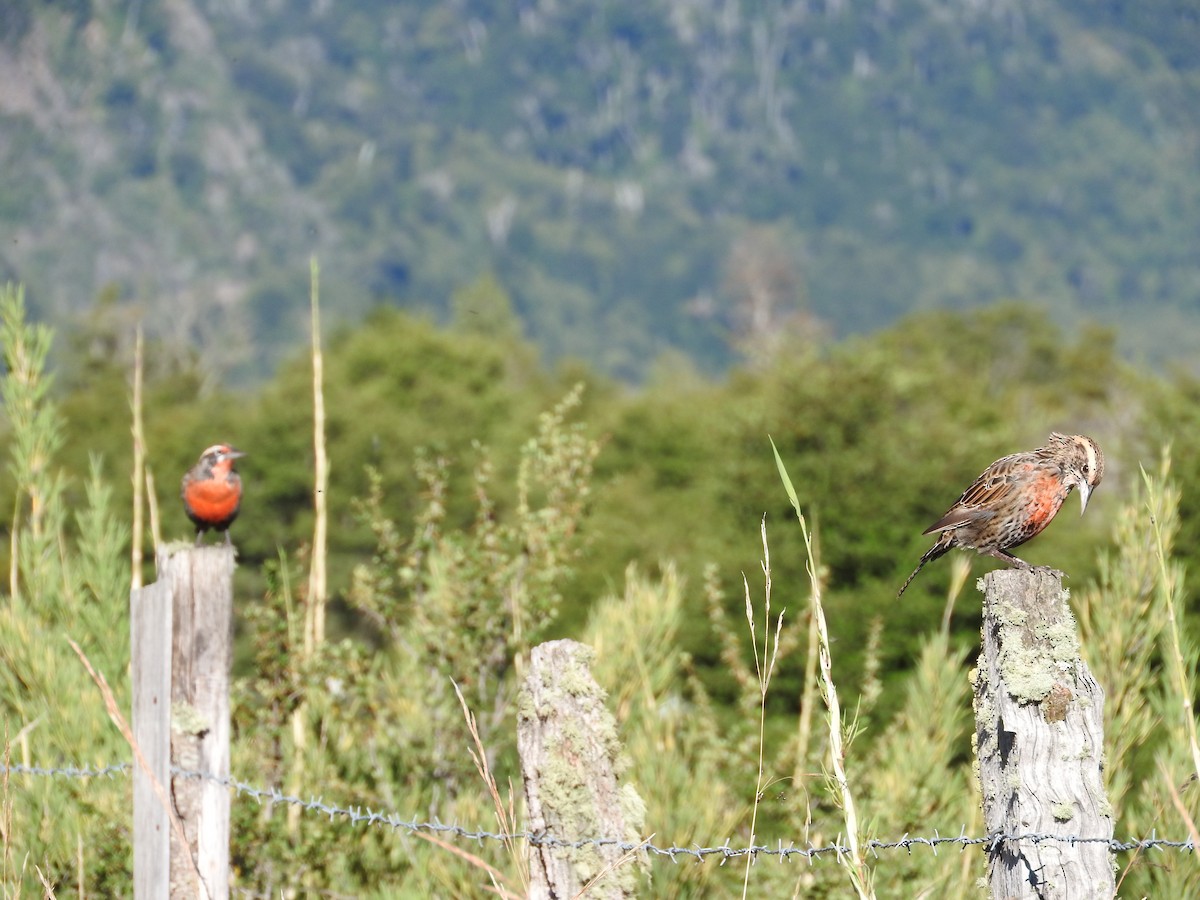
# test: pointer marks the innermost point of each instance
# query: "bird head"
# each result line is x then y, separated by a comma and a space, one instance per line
1082, 463
220, 456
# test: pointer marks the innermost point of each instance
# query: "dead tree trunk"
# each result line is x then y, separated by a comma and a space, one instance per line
567, 740
182, 638
1039, 719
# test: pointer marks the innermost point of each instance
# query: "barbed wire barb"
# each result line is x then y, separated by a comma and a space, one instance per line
364, 815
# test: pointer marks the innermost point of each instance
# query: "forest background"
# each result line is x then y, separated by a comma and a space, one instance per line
901, 239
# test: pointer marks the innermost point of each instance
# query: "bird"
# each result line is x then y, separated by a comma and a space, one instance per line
1015, 498
212, 491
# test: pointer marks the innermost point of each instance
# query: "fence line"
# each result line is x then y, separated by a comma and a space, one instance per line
366, 816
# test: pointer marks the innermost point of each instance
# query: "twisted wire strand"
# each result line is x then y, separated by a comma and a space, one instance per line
366, 816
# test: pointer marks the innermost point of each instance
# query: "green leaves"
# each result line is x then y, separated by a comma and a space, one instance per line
499, 505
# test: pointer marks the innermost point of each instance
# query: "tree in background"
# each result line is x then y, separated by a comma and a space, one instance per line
769, 314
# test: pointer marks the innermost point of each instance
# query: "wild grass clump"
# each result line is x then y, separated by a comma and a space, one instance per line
68, 578
1145, 655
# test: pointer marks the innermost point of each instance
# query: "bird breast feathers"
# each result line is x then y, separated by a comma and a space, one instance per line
213, 491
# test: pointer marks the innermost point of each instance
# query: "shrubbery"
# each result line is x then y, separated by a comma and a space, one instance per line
479, 505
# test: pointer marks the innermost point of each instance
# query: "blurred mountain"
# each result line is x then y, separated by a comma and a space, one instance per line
635, 177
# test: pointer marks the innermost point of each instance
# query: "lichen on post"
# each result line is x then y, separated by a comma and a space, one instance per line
572, 765
1039, 738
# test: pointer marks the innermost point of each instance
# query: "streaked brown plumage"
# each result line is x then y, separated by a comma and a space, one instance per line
212, 490
1015, 498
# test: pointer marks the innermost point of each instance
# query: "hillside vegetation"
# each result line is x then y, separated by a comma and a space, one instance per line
638, 177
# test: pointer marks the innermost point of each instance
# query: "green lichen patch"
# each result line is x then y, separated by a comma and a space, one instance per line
1011, 615
186, 719
1061, 638
1039, 649
1028, 672
576, 679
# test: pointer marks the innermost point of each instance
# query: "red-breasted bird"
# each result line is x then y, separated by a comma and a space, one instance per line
212, 490
1015, 498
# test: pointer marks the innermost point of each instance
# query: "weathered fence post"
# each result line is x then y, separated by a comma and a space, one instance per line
567, 740
181, 654
150, 611
1039, 719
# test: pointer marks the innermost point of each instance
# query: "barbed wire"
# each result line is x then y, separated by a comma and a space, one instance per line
376, 818
68, 771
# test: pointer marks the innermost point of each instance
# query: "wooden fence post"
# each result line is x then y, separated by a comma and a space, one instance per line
1039, 719
182, 639
149, 641
567, 740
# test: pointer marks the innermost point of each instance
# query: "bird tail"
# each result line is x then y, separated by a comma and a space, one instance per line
939, 549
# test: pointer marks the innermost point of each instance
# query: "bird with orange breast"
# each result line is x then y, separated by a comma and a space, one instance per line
212, 491
1015, 498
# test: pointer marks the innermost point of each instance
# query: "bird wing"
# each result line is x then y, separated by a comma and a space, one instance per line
987, 493
957, 516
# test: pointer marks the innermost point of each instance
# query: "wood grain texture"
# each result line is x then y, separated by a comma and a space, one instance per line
150, 610
201, 657
1040, 744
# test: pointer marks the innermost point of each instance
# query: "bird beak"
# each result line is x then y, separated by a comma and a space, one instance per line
235, 454
1085, 491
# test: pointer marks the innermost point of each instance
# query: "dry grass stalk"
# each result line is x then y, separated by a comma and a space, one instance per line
764, 667
860, 875
506, 818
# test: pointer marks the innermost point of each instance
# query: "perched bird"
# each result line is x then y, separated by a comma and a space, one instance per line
212, 490
1015, 498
